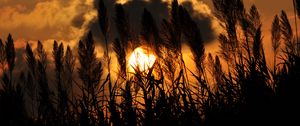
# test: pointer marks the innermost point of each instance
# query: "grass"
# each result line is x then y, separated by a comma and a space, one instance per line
250, 92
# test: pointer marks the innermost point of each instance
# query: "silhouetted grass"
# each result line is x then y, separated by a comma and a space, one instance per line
248, 92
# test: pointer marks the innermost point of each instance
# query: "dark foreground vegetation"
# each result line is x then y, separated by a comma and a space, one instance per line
243, 90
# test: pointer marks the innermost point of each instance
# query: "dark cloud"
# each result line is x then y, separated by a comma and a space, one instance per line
159, 10
78, 21
204, 22
94, 26
135, 9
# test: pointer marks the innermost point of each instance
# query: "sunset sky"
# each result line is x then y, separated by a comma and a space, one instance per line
149, 62
68, 20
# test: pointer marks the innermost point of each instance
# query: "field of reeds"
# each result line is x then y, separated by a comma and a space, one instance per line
243, 89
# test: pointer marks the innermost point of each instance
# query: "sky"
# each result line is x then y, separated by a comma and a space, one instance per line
69, 20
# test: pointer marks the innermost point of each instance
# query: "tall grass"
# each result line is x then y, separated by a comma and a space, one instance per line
248, 92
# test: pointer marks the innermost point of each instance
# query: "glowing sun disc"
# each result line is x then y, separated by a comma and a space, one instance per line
141, 59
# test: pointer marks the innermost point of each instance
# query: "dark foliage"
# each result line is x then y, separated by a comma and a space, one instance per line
168, 93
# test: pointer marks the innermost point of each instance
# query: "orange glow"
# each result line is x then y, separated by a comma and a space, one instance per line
122, 1
141, 60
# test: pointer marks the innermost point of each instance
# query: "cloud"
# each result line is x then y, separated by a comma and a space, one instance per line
200, 12
68, 21
46, 19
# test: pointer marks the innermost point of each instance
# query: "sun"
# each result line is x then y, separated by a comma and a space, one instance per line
141, 59
122, 1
